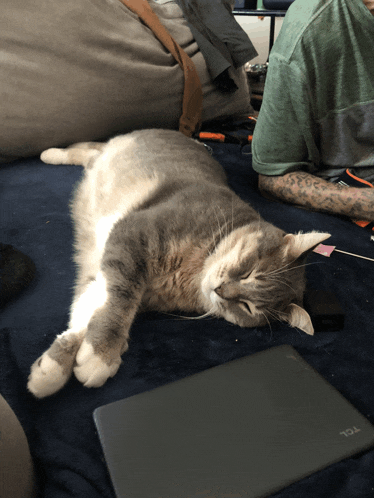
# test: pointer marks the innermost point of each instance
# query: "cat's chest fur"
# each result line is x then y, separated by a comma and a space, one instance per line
178, 284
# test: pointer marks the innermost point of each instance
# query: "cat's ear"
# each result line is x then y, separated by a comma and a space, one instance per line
299, 318
300, 244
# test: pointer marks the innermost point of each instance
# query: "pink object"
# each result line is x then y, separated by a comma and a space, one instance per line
324, 250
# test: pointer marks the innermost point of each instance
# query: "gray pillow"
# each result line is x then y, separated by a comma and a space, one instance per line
81, 70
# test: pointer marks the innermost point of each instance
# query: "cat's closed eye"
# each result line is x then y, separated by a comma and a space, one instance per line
246, 275
245, 306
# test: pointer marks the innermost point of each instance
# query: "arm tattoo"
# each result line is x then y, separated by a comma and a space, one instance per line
311, 192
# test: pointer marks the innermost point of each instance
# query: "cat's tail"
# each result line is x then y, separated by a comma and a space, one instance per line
82, 154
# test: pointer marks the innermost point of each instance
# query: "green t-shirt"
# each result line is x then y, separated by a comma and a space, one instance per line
318, 108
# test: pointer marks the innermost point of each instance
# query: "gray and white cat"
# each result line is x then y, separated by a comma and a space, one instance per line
158, 228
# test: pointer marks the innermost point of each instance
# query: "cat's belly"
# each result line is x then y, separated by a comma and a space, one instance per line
125, 202
104, 227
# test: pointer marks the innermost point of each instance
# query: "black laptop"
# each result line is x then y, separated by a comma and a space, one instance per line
247, 428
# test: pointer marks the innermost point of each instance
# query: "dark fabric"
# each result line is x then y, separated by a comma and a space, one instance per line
16, 272
277, 4
35, 219
221, 39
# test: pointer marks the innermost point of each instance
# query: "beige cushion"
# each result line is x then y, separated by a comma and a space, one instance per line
79, 70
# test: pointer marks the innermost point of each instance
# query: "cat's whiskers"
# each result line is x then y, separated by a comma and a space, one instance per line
267, 319
226, 224
209, 313
284, 268
294, 268
279, 280
279, 316
221, 227
269, 312
277, 270
218, 220
211, 251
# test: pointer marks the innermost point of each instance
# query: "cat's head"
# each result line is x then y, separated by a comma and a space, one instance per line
257, 275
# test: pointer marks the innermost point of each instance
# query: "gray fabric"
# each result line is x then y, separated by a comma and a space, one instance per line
221, 39
83, 70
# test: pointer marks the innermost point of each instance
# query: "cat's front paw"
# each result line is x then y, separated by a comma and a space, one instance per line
47, 376
93, 369
53, 369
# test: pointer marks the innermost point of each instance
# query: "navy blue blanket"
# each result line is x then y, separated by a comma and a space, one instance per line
60, 429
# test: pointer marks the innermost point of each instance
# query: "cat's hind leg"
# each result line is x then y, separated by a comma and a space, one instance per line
53, 369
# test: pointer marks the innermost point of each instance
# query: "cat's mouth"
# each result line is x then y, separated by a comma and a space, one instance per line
211, 298
214, 304
215, 299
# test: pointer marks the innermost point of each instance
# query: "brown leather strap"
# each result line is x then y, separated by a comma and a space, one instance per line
193, 95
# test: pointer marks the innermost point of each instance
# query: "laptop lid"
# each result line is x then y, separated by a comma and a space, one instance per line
246, 428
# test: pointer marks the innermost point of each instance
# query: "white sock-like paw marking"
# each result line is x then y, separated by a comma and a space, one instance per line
90, 369
53, 156
46, 377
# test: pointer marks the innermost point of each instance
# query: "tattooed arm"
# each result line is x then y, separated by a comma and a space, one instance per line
311, 192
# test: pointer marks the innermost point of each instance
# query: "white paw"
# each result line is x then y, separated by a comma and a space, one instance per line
46, 377
53, 156
91, 370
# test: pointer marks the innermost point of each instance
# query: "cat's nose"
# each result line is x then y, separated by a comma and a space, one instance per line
218, 290
228, 290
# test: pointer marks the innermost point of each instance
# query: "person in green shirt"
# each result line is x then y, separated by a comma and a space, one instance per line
317, 115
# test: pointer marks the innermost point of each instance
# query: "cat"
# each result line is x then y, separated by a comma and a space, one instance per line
158, 228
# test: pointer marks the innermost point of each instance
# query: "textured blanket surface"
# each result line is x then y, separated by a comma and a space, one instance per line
35, 219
